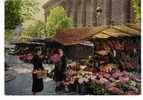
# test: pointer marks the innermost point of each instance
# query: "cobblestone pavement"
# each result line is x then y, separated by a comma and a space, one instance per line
22, 84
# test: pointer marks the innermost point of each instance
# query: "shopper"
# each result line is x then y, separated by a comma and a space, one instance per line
37, 85
59, 70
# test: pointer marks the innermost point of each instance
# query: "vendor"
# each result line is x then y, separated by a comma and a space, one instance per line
60, 68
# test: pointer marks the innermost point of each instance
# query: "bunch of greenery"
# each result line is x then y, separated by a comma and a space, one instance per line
137, 10
99, 90
57, 20
9, 34
16, 11
36, 30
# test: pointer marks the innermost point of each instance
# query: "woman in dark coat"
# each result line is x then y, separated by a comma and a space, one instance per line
60, 68
37, 85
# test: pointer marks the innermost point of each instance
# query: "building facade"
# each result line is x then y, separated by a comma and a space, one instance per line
88, 13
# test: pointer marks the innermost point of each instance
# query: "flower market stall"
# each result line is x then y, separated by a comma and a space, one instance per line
114, 67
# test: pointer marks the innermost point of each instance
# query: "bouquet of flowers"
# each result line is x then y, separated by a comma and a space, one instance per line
55, 58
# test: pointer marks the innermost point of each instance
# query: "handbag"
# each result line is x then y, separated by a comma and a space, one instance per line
41, 73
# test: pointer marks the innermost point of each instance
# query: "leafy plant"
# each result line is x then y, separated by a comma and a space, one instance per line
36, 30
137, 10
99, 90
57, 20
9, 34
16, 11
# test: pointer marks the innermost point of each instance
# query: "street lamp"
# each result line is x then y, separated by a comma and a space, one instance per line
98, 13
98, 10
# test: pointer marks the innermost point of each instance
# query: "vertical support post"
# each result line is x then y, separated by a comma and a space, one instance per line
94, 53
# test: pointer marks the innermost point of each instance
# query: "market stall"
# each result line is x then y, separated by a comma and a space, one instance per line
114, 67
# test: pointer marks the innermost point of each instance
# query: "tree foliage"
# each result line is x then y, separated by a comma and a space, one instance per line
9, 34
137, 10
36, 30
16, 11
57, 20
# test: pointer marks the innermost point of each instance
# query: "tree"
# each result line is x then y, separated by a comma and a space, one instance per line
137, 10
57, 20
16, 11
36, 30
9, 34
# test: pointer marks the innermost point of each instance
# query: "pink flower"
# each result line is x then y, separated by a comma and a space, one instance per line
55, 58
115, 90
29, 57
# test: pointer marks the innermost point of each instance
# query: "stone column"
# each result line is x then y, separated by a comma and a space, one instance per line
123, 11
92, 12
69, 7
88, 14
116, 11
106, 12
73, 13
84, 13
132, 14
79, 13
127, 11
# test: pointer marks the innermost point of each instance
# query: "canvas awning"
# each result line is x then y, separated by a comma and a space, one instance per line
24, 39
79, 35
75, 36
119, 31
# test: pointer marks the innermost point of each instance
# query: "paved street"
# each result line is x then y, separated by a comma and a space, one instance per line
22, 83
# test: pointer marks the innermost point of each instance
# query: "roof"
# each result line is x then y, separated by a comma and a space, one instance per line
75, 36
120, 31
23, 39
79, 35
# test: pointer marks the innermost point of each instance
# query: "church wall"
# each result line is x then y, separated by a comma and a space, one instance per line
87, 13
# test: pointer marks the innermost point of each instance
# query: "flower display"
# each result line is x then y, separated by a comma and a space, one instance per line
113, 82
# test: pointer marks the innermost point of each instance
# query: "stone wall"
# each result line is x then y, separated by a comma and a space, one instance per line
96, 12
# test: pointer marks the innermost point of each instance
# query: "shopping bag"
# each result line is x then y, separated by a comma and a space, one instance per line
41, 73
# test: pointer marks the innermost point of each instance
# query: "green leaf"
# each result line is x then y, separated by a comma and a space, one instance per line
57, 20
16, 11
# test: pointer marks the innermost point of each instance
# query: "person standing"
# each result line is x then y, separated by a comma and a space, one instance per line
37, 84
60, 68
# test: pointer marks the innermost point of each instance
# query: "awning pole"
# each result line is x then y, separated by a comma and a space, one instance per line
94, 54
